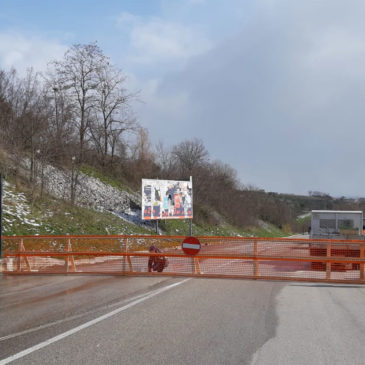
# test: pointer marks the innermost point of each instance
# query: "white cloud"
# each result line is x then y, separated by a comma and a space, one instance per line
159, 46
282, 101
337, 48
170, 104
154, 40
22, 52
166, 107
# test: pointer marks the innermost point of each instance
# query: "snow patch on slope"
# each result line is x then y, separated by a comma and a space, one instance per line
16, 209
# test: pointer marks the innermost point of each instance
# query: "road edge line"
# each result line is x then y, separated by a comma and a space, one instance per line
88, 324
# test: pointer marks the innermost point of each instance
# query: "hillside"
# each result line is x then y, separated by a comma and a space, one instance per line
26, 215
105, 204
77, 167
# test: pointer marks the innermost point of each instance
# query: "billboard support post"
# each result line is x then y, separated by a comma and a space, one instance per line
156, 226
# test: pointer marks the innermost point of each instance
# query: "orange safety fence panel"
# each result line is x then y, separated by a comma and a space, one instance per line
237, 257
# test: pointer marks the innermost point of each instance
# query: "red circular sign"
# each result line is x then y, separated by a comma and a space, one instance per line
191, 245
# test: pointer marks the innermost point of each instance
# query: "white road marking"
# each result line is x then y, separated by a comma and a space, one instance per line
88, 324
76, 316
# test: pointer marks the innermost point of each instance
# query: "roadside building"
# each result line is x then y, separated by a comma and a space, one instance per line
336, 224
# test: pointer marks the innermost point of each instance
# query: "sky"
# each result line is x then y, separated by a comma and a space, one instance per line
274, 88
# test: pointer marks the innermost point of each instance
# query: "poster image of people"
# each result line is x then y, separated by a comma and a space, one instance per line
167, 199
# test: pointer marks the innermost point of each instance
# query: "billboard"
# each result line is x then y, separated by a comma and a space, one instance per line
167, 199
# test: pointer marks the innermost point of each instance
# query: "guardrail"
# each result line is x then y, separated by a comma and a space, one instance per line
231, 257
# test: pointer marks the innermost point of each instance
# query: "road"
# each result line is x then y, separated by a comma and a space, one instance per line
159, 320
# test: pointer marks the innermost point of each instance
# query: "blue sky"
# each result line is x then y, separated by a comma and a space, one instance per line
274, 88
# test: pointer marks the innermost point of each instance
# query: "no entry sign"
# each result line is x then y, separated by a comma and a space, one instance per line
191, 245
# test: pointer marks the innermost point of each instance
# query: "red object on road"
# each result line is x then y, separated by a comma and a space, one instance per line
191, 246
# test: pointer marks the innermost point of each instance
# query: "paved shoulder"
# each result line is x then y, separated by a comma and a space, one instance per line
318, 323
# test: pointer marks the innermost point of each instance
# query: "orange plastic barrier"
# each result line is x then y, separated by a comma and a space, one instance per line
231, 257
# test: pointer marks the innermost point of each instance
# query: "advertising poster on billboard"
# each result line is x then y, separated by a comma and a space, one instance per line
167, 199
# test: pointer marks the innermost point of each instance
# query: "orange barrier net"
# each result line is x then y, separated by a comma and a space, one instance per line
237, 257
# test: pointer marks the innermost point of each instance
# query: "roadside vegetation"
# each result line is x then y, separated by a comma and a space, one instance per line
77, 117
48, 215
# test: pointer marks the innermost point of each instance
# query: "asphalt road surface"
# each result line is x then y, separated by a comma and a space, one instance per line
159, 320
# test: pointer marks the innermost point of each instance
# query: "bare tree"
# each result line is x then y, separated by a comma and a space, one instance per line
11, 106
78, 73
142, 158
165, 160
112, 106
189, 155
27, 115
61, 127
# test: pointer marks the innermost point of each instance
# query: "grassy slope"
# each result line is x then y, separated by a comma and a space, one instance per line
108, 180
53, 216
